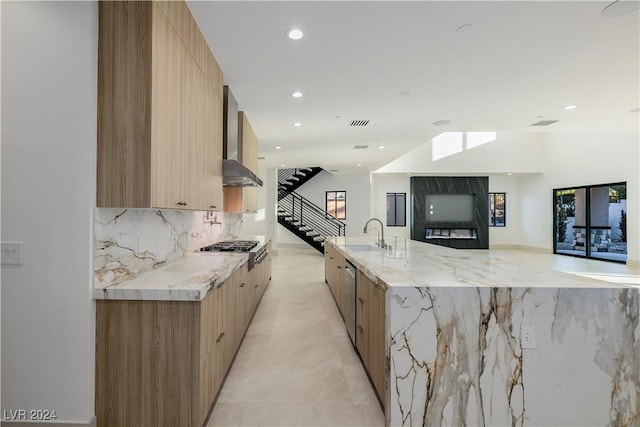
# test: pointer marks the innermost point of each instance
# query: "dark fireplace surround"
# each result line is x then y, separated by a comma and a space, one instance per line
472, 234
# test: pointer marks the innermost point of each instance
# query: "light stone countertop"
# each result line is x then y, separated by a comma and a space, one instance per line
189, 278
413, 263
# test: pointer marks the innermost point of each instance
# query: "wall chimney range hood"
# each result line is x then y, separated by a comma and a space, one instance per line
234, 173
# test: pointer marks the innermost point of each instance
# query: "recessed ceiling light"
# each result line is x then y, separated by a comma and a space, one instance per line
278, 147
380, 146
297, 124
619, 8
509, 173
464, 28
295, 34
569, 107
297, 94
359, 164
282, 165
441, 122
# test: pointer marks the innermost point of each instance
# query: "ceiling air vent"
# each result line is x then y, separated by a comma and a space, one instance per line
359, 122
544, 123
360, 147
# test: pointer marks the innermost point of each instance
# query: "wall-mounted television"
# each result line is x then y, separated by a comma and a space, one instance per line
449, 207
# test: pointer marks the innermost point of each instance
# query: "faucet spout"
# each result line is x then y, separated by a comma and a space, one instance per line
381, 242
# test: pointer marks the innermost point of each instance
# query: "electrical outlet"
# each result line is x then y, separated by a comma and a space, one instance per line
11, 253
528, 337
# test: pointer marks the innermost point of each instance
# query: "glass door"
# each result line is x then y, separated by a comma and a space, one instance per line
591, 221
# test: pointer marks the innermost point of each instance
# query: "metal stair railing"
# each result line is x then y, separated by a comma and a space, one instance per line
305, 213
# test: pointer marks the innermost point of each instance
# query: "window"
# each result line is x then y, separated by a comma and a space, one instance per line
591, 221
497, 209
396, 210
337, 204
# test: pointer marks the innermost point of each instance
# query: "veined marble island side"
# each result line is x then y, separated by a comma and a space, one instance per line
453, 349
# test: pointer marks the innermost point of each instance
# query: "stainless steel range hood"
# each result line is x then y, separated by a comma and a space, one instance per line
234, 173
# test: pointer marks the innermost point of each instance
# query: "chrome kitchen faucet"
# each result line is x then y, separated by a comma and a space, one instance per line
381, 242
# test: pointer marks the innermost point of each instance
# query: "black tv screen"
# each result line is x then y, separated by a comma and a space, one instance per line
449, 207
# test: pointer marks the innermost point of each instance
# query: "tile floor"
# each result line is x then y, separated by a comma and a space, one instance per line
296, 366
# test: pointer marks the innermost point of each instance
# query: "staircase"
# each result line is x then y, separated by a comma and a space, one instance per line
292, 179
297, 214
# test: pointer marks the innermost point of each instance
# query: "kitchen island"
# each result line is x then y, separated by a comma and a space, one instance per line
166, 338
454, 322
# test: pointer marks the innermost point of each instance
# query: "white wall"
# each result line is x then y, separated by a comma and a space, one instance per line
510, 152
511, 233
49, 81
263, 222
573, 159
390, 183
400, 183
358, 200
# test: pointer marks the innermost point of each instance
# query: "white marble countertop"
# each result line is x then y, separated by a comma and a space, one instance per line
413, 263
189, 278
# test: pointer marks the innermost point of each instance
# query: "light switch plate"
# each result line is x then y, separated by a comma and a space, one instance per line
11, 253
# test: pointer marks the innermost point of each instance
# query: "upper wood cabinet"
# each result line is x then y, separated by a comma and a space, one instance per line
244, 199
159, 109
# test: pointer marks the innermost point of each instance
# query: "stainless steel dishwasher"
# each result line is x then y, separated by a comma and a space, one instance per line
350, 300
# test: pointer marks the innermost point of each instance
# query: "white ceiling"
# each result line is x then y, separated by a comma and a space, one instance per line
402, 65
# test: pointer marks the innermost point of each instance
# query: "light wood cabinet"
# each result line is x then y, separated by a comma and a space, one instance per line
370, 329
244, 199
159, 109
334, 275
163, 362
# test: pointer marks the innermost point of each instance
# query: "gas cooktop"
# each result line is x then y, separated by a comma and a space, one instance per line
231, 246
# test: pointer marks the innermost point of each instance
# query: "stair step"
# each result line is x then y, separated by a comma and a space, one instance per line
312, 233
292, 177
305, 169
318, 239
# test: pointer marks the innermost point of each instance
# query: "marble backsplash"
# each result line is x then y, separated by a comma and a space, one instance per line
128, 242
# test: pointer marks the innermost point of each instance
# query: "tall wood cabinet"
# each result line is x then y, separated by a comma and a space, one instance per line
244, 199
159, 109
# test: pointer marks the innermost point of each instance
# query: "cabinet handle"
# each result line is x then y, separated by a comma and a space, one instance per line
220, 337
361, 300
212, 207
256, 286
360, 328
242, 285
339, 267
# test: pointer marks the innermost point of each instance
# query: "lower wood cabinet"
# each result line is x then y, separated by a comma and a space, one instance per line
162, 363
370, 316
370, 330
334, 275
